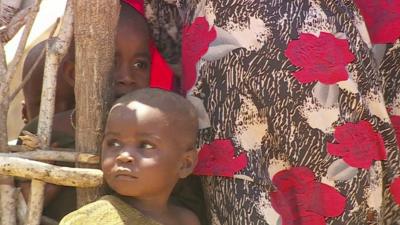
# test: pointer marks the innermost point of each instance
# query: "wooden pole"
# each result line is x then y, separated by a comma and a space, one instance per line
55, 53
95, 29
61, 156
7, 189
66, 176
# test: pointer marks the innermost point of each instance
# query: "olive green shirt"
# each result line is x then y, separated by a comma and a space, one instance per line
109, 210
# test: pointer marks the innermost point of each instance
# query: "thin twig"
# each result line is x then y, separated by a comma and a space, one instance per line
22, 43
15, 24
30, 72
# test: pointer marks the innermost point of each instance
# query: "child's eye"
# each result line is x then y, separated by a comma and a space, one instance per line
146, 146
113, 143
140, 65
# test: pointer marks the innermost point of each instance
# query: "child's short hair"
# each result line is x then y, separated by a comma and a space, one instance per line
180, 111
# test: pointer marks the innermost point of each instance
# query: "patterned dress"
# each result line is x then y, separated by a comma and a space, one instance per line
294, 105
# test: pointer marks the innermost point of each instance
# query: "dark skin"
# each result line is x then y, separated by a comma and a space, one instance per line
130, 72
131, 69
132, 54
146, 149
65, 98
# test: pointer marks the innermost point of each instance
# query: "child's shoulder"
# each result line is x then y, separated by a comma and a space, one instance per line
185, 216
85, 215
101, 211
107, 210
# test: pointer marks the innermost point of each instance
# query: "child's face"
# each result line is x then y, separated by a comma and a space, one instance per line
132, 57
140, 157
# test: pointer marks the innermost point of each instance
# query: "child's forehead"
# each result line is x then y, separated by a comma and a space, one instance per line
136, 109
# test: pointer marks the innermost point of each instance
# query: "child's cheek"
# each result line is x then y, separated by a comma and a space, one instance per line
148, 162
106, 163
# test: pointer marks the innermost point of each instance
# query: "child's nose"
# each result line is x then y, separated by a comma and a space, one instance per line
124, 77
125, 157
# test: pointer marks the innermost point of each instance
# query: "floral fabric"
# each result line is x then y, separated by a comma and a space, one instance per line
299, 199
382, 18
297, 88
322, 58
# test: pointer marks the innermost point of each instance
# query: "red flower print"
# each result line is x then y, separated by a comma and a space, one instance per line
322, 58
395, 190
358, 144
195, 41
382, 18
396, 125
300, 200
217, 159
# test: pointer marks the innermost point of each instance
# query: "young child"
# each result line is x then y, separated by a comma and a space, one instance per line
137, 65
149, 144
32, 90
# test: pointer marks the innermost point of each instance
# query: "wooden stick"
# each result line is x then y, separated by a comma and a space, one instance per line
8, 192
44, 155
15, 24
35, 64
21, 47
54, 54
22, 148
95, 29
22, 208
66, 176
36, 201
8, 210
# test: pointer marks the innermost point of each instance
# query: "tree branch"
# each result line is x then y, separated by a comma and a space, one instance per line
15, 24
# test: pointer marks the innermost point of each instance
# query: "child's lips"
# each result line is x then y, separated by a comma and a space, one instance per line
125, 177
124, 174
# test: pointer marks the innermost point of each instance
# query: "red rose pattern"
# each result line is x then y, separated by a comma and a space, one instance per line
322, 58
382, 18
195, 41
300, 200
396, 125
217, 159
358, 144
395, 190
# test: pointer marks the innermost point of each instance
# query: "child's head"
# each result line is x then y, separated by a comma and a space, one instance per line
149, 143
131, 69
65, 98
133, 63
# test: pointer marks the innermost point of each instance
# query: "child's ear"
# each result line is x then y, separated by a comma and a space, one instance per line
69, 72
188, 163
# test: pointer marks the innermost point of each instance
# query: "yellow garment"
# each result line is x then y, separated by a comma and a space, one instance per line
109, 210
